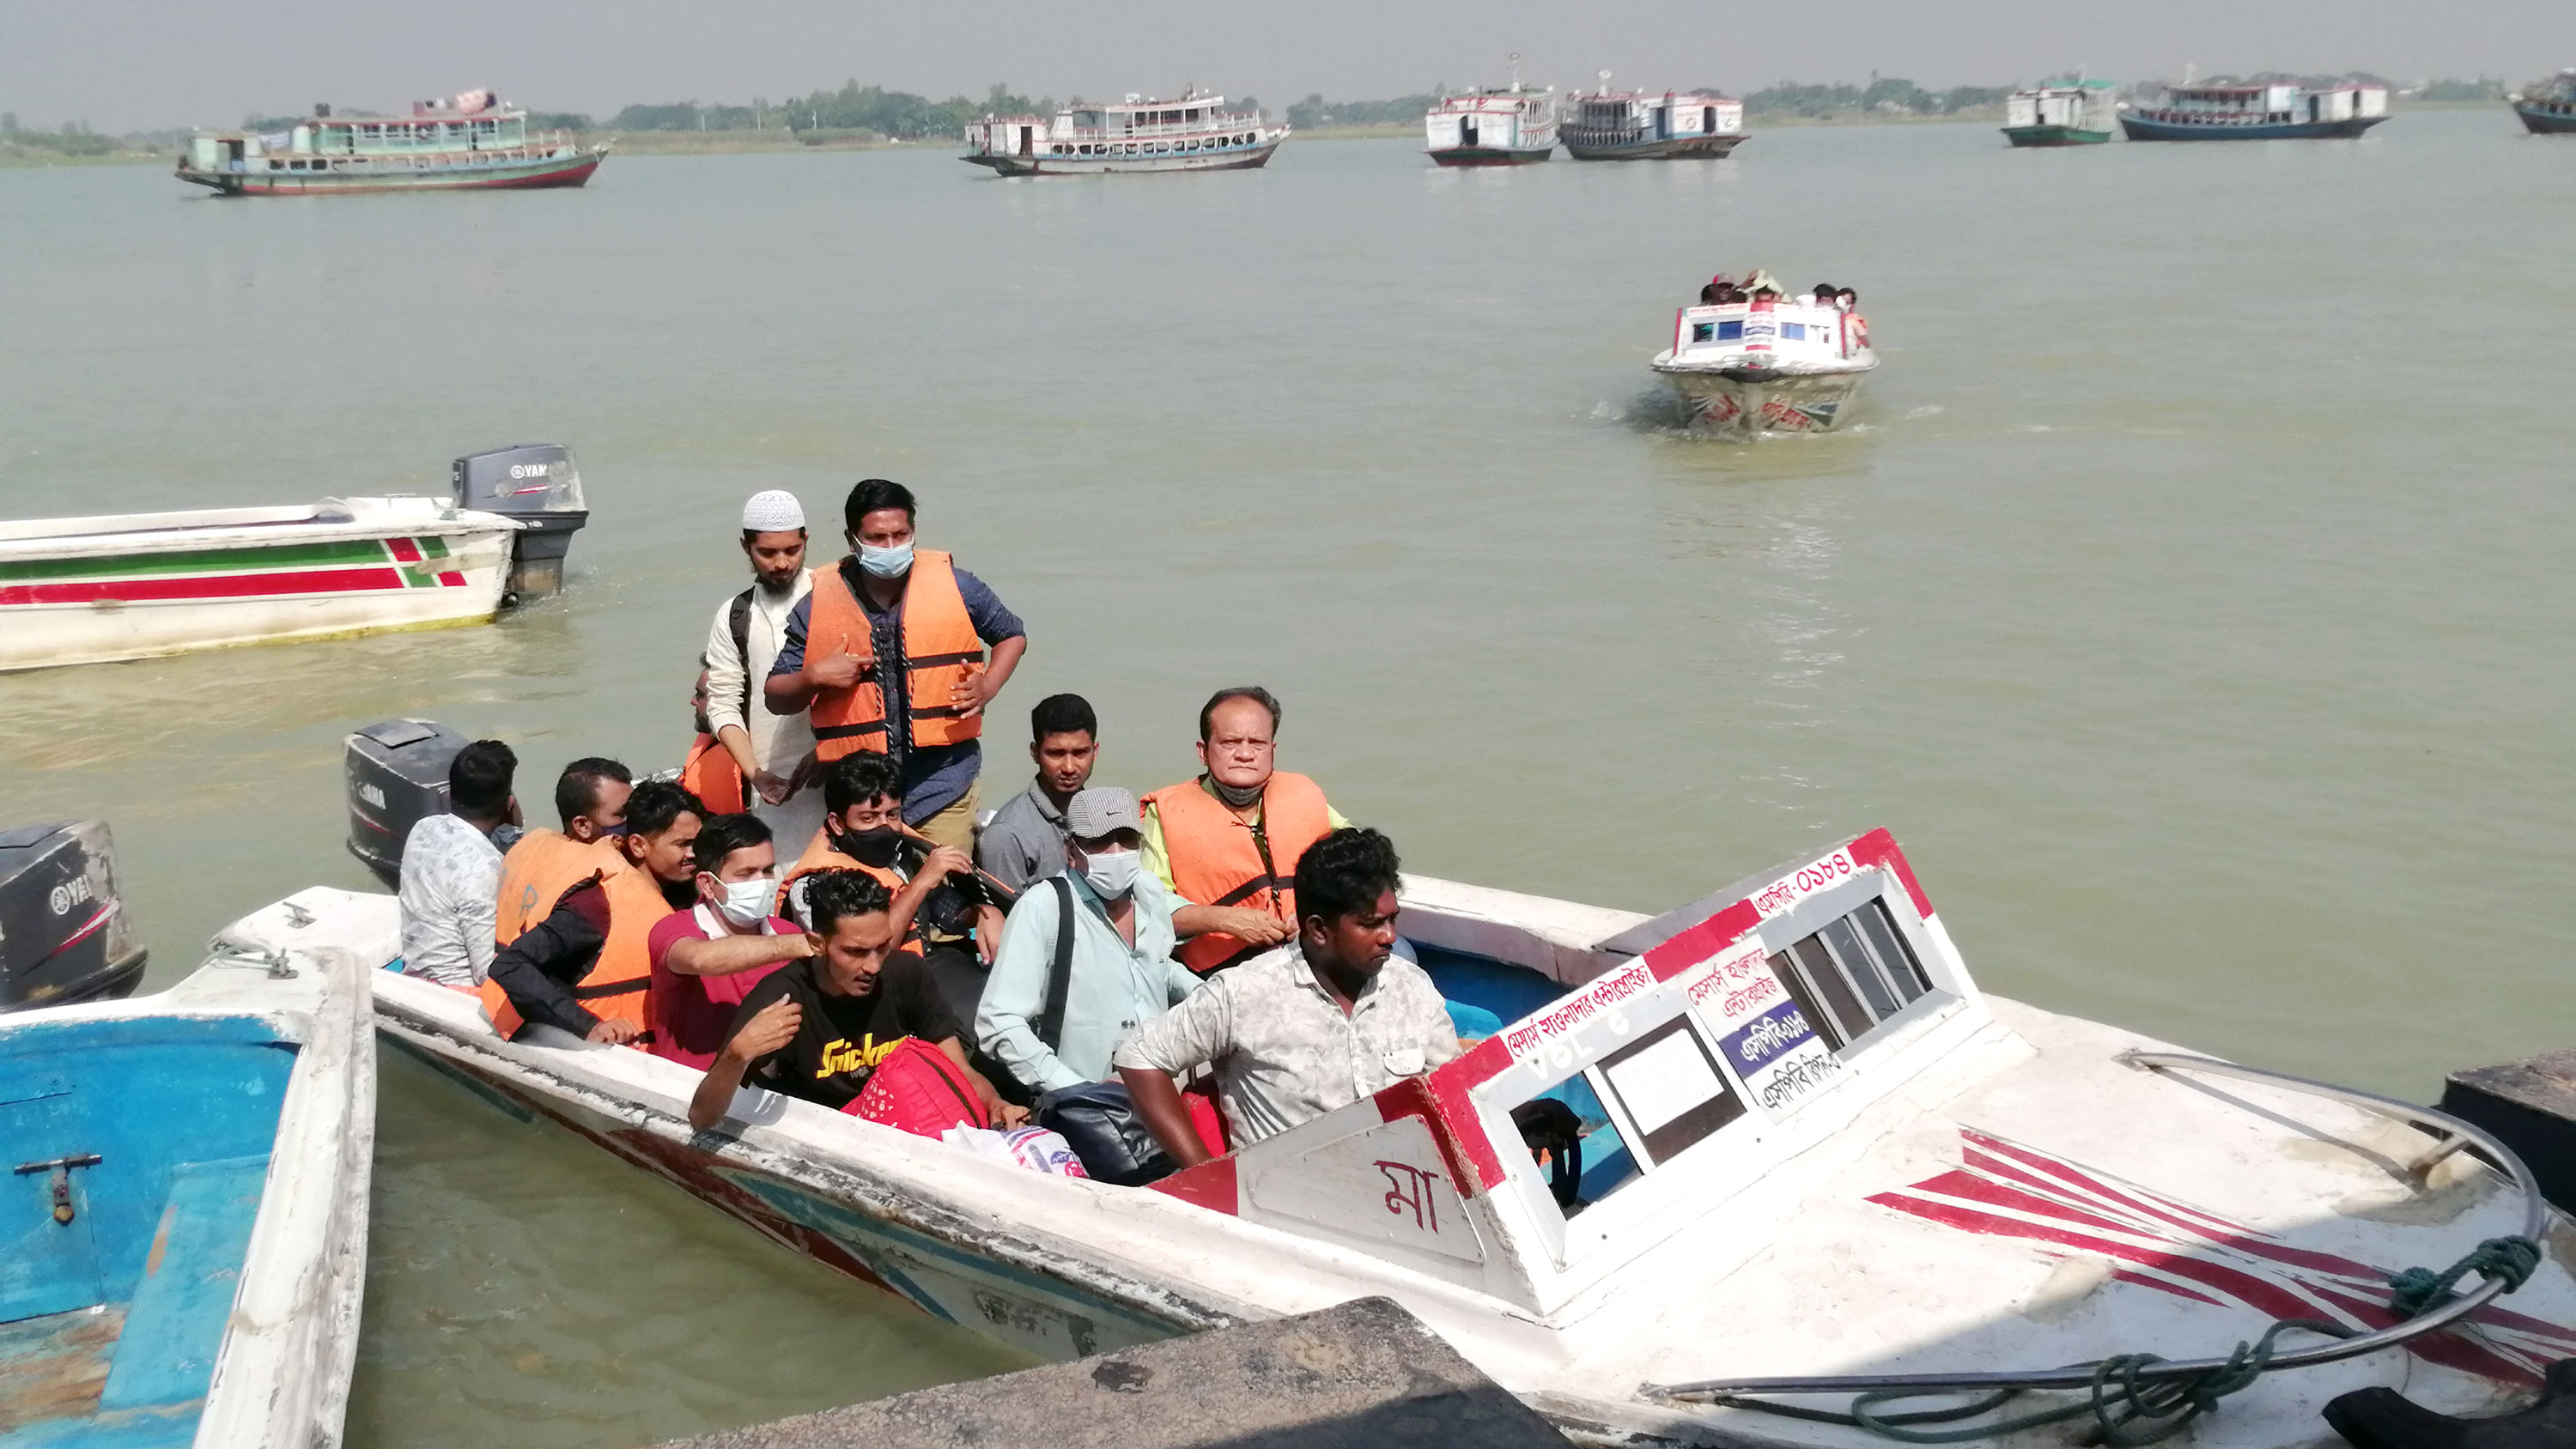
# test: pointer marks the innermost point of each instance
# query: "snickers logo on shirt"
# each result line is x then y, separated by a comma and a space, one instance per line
840, 1057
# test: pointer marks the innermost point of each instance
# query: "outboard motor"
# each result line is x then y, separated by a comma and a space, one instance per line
64, 936
397, 773
536, 484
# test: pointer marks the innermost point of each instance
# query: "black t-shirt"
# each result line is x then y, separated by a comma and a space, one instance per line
841, 1039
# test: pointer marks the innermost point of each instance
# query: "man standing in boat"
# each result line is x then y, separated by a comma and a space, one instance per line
889, 653
1228, 842
774, 752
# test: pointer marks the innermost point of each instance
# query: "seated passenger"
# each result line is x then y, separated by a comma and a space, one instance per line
863, 830
451, 870
1317, 1024
1024, 841
707, 958
1227, 842
1825, 294
585, 968
708, 771
1848, 299
817, 1027
1120, 971
1762, 285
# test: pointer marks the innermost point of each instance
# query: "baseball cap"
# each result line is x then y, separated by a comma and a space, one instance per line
1100, 811
775, 511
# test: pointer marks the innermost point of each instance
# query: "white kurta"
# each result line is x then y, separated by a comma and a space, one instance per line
779, 742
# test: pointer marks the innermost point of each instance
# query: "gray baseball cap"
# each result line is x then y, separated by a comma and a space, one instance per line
1100, 811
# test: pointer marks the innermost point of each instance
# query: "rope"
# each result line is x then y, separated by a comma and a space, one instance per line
2417, 1289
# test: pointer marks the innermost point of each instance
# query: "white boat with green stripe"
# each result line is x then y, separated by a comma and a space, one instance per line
135, 585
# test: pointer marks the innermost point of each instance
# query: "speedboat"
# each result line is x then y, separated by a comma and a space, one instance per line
1773, 1150
183, 1235
1764, 366
136, 585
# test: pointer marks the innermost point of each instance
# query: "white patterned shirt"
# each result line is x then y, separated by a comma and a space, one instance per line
451, 877
1283, 1050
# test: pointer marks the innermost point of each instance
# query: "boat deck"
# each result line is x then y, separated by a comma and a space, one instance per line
54, 1366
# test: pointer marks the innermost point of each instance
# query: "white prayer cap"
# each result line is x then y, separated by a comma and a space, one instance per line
775, 511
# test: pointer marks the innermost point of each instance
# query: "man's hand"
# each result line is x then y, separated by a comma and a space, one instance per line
839, 670
943, 862
973, 692
1010, 1114
614, 1031
769, 1030
1253, 928
988, 932
774, 789
813, 943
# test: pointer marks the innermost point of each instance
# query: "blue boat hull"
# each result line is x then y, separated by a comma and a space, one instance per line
2140, 128
2547, 118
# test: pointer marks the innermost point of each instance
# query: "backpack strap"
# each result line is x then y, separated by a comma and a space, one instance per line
1050, 1023
739, 620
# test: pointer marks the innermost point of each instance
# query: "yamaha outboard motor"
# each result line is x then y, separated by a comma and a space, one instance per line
536, 484
397, 773
63, 932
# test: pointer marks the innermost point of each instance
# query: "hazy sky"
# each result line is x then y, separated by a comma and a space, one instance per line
131, 64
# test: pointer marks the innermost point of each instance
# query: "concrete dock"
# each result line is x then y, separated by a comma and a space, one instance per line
1363, 1375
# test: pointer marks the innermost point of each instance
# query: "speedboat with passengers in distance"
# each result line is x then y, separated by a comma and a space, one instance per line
2060, 113
183, 1232
1194, 132
2547, 107
1502, 126
1768, 1151
468, 142
1790, 365
2263, 111
1608, 125
136, 585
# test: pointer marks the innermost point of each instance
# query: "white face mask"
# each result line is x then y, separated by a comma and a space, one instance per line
746, 902
886, 563
1112, 872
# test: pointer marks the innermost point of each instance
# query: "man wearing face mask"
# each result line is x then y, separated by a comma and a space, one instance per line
888, 655
863, 830
773, 752
585, 969
590, 800
1121, 971
706, 959
1227, 843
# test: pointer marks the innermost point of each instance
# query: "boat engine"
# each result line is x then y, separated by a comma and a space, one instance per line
396, 773
64, 936
536, 484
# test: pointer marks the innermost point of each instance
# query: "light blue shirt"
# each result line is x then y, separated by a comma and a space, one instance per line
1114, 988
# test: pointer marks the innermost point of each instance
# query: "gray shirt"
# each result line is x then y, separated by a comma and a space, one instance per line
1113, 986
451, 877
1283, 1050
1025, 841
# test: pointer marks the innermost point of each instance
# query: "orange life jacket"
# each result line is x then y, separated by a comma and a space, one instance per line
819, 855
537, 871
714, 778
1216, 861
618, 982
940, 650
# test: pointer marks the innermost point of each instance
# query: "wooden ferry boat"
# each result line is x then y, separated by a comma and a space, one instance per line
2548, 108
2268, 111
1810, 1158
1608, 125
1505, 126
468, 142
186, 1229
1786, 366
1194, 132
2061, 113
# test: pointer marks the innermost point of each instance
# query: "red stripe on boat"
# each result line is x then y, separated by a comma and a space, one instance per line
452, 579
405, 551
222, 586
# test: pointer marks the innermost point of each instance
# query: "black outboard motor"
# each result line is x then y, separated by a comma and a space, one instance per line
397, 773
64, 936
536, 484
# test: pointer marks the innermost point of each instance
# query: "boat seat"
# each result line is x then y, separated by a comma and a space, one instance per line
175, 1324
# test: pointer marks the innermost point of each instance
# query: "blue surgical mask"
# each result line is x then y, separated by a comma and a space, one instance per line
886, 563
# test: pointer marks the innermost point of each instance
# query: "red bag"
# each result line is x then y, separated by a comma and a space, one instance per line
918, 1089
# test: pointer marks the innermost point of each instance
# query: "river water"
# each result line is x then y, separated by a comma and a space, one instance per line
2192, 600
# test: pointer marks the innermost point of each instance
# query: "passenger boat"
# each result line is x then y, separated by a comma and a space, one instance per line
2061, 113
2548, 107
1194, 132
469, 142
1790, 366
135, 585
2268, 111
1814, 1155
183, 1237
1505, 126
1608, 125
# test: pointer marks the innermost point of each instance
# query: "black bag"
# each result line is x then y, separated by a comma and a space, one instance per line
1097, 1119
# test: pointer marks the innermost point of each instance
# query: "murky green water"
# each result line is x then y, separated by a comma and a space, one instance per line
2193, 605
